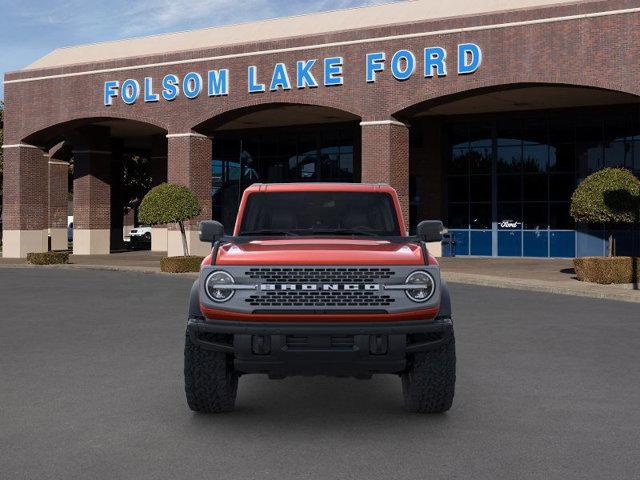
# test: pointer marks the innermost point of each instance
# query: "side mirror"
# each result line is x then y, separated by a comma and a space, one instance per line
430, 230
210, 231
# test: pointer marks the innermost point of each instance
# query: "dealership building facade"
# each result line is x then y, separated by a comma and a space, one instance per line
485, 114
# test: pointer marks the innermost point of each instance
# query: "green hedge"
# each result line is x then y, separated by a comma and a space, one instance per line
48, 258
607, 270
181, 264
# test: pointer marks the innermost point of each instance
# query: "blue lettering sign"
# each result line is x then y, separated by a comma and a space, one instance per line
469, 58
170, 87
192, 85
304, 77
434, 59
375, 63
130, 91
403, 64
333, 71
110, 92
254, 87
280, 78
218, 82
149, 96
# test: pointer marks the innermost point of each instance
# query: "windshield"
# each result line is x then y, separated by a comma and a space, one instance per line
319, 213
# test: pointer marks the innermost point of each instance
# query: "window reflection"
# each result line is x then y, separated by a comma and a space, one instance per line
305, 154
538, 158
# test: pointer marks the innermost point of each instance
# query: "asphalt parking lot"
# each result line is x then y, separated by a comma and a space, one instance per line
91, 388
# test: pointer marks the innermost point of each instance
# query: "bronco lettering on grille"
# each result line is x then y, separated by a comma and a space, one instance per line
323, 286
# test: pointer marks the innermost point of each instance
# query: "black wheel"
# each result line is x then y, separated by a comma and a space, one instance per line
147, 237
428, 384
210, 381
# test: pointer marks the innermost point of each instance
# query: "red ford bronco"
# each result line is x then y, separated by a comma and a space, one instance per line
320, 279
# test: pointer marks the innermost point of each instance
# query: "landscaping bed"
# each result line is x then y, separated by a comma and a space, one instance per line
608, 270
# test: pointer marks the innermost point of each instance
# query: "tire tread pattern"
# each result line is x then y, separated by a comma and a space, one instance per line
210, 382
428, 385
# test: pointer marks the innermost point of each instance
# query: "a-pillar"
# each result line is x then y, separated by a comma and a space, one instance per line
58, 192
385, 157
25, 210
189, 164
158, 176
92, 192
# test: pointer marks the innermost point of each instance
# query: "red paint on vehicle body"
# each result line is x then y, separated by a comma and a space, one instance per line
321, 250
422, 314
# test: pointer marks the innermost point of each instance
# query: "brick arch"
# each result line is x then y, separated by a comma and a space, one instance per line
47, 136
239, 109
407, 108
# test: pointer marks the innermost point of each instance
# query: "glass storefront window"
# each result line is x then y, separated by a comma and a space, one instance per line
293, 154
481, 188
535, 216
510, 158
509, 187
534, 161
480, 217
458, 215
535, 158
535, 188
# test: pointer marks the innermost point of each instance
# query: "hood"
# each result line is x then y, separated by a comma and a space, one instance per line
320, 251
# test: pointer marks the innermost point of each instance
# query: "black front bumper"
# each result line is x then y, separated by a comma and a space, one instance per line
343, 349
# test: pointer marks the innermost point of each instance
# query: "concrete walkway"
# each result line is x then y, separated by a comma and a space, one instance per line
540, 275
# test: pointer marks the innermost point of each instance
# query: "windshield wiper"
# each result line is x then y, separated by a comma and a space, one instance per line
286, 233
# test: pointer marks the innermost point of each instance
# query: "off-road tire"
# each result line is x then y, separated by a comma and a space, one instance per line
210, 382
428, 384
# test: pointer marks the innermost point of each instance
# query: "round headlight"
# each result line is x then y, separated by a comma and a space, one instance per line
424, 286
215, 286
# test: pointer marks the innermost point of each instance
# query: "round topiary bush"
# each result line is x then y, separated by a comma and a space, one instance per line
611, 195
169, 203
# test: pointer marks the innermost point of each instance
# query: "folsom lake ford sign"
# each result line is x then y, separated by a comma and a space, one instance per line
309, 73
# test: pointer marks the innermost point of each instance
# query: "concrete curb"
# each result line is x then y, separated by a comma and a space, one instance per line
572, 287
112, 268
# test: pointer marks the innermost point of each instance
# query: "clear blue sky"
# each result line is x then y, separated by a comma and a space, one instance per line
30, 29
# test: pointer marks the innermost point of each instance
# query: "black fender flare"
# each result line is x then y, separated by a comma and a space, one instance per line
445, 301
194, 301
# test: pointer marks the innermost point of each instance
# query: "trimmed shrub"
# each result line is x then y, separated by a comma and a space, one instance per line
611, 195
169, 203
607, 270
181, 264
48, 258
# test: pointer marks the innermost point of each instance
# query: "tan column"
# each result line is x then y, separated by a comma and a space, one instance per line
58, 191
159, 175
189, 164
385, 157
24, 201
91, 202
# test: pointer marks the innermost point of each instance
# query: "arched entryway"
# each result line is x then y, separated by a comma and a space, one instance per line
279, 143
92, 172
499, 165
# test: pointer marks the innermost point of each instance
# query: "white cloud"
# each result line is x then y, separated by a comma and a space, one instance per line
122, 18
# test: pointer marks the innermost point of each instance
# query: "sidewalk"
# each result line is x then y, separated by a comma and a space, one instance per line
539, 275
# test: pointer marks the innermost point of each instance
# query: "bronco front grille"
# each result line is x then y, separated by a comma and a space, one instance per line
319, 299
319, 274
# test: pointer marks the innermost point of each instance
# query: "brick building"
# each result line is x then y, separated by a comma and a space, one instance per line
485, 114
